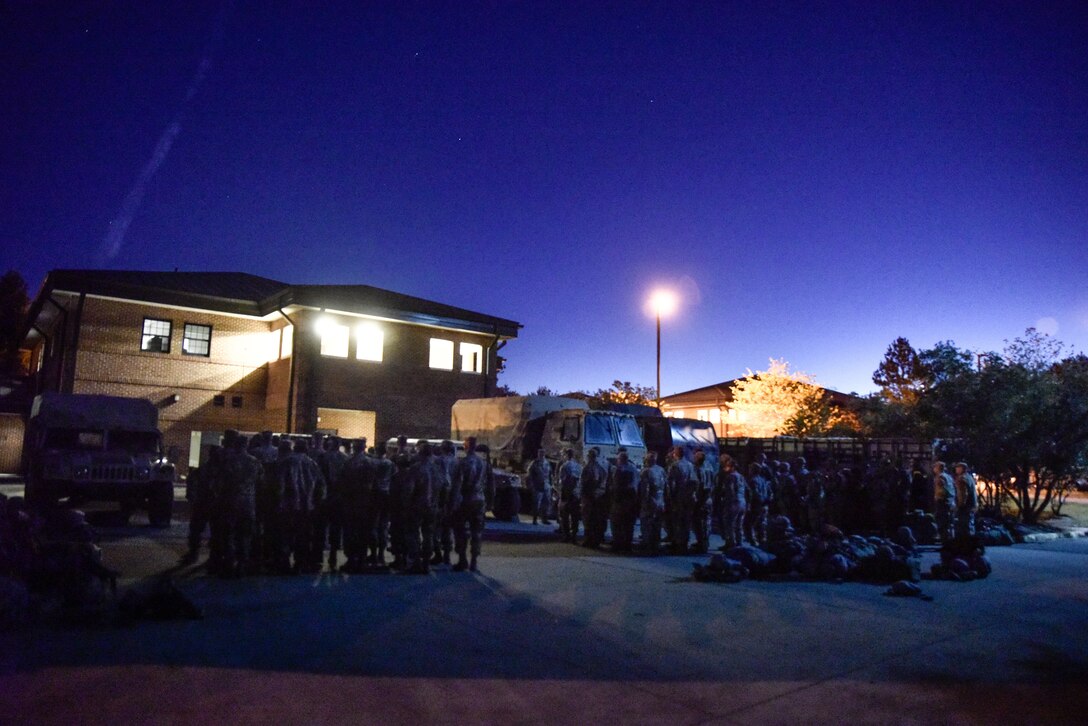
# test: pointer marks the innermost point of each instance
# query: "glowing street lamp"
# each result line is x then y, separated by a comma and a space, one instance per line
662, 302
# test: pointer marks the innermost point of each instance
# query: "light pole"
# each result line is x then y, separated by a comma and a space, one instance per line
663, 302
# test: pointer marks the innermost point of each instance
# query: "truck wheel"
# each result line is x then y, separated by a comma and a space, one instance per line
160, 505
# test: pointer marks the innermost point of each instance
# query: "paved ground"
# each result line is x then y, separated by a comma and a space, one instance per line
551, 633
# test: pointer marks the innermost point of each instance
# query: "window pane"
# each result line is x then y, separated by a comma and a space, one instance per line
442, 354
370, 340
156, 336
334, 340
629, 433
197, 339
472, 358
598, 430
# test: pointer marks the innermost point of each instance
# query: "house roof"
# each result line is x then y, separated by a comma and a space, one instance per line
245, 294
722, 393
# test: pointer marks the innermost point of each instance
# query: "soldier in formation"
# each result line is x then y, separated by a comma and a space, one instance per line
569, 497
539, 478
944, 498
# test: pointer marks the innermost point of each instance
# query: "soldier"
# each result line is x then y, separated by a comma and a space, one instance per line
400, 492
445, 463
219, 519
788, 495
473, 486
651, 496
966, 499
200, 491
623, 494
331, 523
704, 492
539, 477
733, 491
295, 496
594, 487
265, 528
422, 503
378, 526
944, 496
680, 485
570, 494
759, 500
355, 486
242, 475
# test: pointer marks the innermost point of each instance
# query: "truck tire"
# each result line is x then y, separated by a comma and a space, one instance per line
160, 504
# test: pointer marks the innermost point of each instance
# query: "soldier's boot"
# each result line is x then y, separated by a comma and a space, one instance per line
332, 560
461, 565
472, 566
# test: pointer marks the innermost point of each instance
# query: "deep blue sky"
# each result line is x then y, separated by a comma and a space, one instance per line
818, 178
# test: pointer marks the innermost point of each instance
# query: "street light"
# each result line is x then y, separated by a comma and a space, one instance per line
662, 302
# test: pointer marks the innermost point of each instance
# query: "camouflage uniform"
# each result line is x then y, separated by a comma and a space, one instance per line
378, 524
424, 484
200, 490
355, 487
331, 522
967, 502
473, 486
651, 496
297, 481
944, 496
539, 477
570, 494
680, 486
443, 529
242, 476
594, 488
734, 495
700, 513
623, 495
759, 500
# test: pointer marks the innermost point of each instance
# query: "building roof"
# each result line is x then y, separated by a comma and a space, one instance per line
244, 294
722, 393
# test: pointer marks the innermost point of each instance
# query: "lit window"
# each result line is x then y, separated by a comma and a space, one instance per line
442, 354
197, 340
334, 339
715, 416
369, 341
472, 358
156, 337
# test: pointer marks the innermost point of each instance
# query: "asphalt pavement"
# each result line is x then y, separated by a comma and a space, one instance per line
552, 633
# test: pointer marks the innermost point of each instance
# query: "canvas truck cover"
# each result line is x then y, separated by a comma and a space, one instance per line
501, 423
80, 411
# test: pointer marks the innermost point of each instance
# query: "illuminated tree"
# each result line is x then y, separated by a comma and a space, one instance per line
779, 401
626, 392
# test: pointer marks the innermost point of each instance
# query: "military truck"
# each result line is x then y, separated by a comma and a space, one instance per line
662, 434
98, 448
514, 427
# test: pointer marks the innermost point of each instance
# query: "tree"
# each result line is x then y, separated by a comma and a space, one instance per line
13, 306
901, 376
1021, 419
544, 391
778, 401
626, 392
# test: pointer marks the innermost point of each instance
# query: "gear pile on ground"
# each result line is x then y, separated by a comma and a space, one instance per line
830, 556
963, 559
50, 566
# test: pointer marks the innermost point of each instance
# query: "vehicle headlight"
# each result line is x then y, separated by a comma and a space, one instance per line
143, 472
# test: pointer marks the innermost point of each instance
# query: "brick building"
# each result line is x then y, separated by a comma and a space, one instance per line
217, 350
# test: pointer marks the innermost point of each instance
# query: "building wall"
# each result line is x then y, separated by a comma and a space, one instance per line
408, 396
110, 362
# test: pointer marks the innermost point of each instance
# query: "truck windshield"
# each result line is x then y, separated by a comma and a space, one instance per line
134, 442
73, 439
629, 435
598, 429
704, 434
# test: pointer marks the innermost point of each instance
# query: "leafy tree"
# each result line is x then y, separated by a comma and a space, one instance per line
779, 401
544, 391
13, 306
626, 392
901, 376
1021, 419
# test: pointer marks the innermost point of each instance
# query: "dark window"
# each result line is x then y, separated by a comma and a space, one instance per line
599, 430
219, 401
572, 429
236, 401
197, 340
156, 337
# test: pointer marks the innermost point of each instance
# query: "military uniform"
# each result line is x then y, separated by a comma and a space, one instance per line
680, 485
623, 494
242, 476
570, 494
539, 476
944, 496
701, 508
443, 528
966, 503
473, 486
330, 525
422, 501
651, 498
200, 491
377, 527
355, 496
759, 500
734, 495
594, 488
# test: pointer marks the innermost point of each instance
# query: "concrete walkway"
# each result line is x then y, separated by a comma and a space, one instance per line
550, 633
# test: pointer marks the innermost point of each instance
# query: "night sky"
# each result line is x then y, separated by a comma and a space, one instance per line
816, 179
